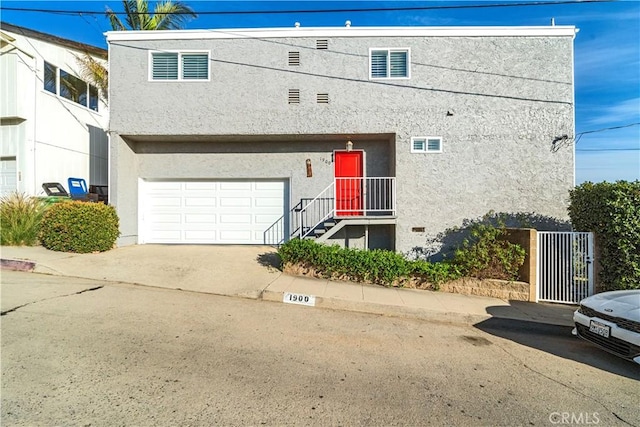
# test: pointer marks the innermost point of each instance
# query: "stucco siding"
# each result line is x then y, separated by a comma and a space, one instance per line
497, 103
250, 79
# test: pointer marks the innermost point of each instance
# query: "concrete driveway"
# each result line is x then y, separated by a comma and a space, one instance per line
236, 270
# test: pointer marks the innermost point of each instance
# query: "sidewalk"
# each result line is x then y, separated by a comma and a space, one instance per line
246, 271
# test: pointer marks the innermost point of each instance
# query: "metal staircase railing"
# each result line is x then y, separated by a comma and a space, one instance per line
356, 197
316, 211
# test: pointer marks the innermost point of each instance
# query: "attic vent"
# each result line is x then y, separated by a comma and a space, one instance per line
322, 44
294, 58
294, 96
322, 98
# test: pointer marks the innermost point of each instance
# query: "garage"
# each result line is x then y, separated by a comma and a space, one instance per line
210, 211
8, 173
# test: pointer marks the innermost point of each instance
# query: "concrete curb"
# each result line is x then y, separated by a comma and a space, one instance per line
386, 310
17, 265
447, 311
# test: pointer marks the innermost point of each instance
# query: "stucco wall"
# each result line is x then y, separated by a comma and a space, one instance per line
497, 102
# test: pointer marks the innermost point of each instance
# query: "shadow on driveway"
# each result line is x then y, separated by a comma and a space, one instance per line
269, 260
557, 340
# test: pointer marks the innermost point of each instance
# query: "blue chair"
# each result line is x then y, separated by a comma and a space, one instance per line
78, 189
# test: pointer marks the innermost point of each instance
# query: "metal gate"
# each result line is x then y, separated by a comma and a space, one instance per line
565, 266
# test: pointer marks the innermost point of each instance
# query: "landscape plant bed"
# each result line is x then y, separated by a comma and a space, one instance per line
502, 289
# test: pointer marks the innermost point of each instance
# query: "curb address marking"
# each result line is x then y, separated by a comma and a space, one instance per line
300, 299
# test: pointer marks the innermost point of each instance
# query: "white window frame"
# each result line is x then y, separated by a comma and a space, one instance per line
180, 78
389, 50
426, 144
57, 93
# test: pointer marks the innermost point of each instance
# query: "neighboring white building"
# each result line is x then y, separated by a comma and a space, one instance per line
53, 122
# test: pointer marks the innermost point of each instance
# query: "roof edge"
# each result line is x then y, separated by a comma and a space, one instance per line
27, 32
293, 32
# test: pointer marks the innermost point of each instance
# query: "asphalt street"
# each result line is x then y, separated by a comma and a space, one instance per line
84, 352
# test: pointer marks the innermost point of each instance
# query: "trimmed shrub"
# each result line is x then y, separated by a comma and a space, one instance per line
612, 212
375, 266
486, 255
20, 218
79, 227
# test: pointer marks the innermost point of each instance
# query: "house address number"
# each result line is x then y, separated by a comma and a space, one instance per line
301, 299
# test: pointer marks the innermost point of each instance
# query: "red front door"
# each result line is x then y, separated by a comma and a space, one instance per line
349, 173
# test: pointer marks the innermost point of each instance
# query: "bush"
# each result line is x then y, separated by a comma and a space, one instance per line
20, 218
435, 273
612, 212
79, 227
375, 266
486, 255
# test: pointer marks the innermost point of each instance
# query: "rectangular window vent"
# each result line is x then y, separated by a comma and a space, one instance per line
164, 66
322, 44
426, 144
322, 98
294, 58
294, 96
195, 66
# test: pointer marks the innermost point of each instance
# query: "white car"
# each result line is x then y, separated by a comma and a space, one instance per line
611, 320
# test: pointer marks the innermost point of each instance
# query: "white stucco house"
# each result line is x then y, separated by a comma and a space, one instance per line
53, 122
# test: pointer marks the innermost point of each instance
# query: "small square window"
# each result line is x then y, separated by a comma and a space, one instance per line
426, 144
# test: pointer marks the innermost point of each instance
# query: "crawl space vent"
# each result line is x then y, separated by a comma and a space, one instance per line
294, 96
322, 98
294, 58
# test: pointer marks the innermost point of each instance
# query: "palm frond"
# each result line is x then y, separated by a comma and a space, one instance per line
95, 73
116, 23
172, 15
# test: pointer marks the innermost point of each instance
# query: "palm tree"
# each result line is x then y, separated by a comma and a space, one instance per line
167, 15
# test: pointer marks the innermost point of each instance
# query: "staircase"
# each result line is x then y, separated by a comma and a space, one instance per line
360, 201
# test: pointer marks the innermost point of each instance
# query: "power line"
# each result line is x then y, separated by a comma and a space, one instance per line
607, 149
579, 135
298, 11
606, 129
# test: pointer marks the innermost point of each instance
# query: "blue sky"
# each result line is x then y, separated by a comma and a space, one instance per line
607, 53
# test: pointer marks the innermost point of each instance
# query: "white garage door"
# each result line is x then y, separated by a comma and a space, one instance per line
192, 212
8, 181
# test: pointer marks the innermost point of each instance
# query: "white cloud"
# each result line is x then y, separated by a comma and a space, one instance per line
605, 55
623, 112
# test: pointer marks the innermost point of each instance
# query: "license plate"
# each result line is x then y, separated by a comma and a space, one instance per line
301, 299
599, 329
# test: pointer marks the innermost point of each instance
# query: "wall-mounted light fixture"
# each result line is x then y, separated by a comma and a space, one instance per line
309, 171
349, 145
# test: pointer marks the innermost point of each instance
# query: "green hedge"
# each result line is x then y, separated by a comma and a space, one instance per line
375, 266
80, 227
612, 212
485, 254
